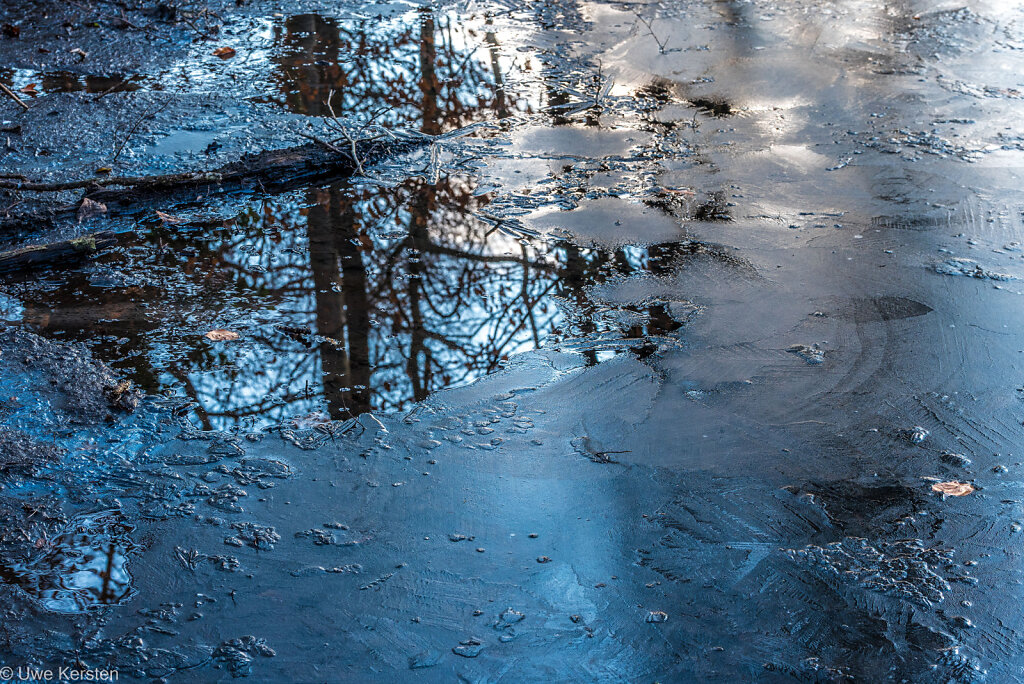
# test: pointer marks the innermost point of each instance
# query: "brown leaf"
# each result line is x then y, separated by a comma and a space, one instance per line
953, 488
224, 52
89, 208
11, 30
30, 89
223, 335
167, 218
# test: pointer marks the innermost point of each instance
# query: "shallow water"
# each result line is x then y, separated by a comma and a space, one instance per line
641, 368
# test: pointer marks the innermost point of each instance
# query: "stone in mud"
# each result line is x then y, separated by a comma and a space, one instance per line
470, 648
812, 353
508, 618
917, 434
954, 459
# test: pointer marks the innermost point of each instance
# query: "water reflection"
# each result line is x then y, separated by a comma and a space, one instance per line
34, 82
351, 297
348, 298
83, 567
423, 71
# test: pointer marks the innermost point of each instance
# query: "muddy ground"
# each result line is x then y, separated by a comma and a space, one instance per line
683, 345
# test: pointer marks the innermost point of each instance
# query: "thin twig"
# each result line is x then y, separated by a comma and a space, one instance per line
344, 132
114, 87
117, 153
376, 420
650, 27
10, 93
355, 154
319, 141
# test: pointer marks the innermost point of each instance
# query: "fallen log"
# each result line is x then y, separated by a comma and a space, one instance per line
270, 171
300, 163
55, 253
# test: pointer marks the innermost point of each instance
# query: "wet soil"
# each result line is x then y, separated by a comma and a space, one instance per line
642, 365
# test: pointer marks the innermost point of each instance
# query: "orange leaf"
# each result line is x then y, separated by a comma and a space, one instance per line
953, 488
223, 335
224, 52
167, 218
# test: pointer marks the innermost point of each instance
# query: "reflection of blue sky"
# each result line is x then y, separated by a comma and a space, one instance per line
473, 312
80, 568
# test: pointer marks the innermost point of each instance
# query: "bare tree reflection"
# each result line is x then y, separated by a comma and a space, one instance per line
80, 568
352, 297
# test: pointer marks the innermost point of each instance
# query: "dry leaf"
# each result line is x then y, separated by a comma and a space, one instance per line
11, 30
89, 208
953, 488
224, 52
223, 335
30, 89
104, 170
167, 218
82, 54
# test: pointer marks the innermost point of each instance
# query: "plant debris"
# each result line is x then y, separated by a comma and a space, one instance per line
953, 488
220, 335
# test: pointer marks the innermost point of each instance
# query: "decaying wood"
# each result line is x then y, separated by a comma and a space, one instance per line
270, 171
64, 252
302, 163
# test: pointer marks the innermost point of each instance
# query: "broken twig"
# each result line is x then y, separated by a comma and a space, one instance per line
11, 94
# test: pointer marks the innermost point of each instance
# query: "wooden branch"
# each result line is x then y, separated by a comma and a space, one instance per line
54, 253
270, 171
302, 162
